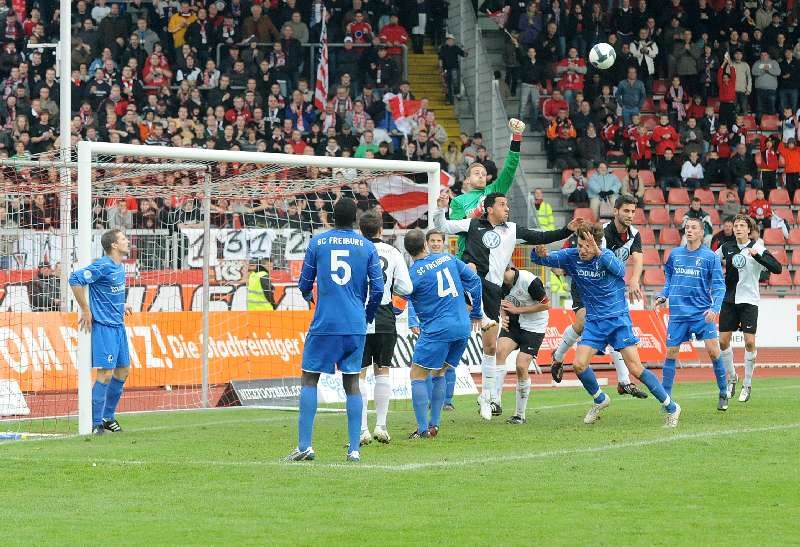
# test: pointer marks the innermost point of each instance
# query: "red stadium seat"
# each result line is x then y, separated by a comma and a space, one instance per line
677, 217
638, 217
796, 200
749, 196
714, 214
785, 213
714, 102
749, 122
722, 197
565, 174
797, 278
667, 252
653, 196
774, 236
779, 196
649, 105
660, 88
669, 237
654, 278
651, 256
780, 255
795, 261
586, 213
647, 178
678, 196
770, 122
706, 196
647, 235
794, 237
659, 217
783, 279
620, 173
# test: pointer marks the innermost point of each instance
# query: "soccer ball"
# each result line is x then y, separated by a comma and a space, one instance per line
602, 56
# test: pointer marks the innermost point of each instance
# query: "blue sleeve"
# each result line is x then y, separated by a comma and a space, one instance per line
472, 285
612, 264
413, 320
558, 259
717, 285
309, 272
375, 274
88, 275
667, 276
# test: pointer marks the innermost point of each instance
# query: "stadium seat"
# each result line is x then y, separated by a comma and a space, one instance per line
785, 213
620, 173
651, 257
722, 197
654, 278
713, 102
653, 196
797, 278
795, 261
660, 88
706, 196
714, 214
783, 279
565, 174
749, 122
794, 237
779, 196
586, 213
647, 178
756, 140
659, 217
667, 252
774, 236
678, 196
669, 237
749, 196
780, 255
647, 235
677, 217
638, 217
649, 106
796, 200
770, 122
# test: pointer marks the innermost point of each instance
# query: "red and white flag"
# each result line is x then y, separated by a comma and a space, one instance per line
401, 197
446, 179
402, 110
500, 16
321, 89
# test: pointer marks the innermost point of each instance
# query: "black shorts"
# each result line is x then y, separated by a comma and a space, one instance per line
527, 341
577, 301
379, 349
492, 294
733, 317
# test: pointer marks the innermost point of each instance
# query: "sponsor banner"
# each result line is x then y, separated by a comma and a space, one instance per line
277, 392
12, 401
331, 391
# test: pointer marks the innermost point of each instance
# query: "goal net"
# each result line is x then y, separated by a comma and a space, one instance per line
217, 240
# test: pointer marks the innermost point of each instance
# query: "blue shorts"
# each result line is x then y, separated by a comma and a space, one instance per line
616, 332
681, 331
324, 352
433, 354
109, 346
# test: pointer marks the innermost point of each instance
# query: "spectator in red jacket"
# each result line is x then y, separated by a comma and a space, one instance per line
720, 140
394, 35
760, 210
664, 136
552, 105
726, 81
572, 70
642, 152
768, 164
360, 30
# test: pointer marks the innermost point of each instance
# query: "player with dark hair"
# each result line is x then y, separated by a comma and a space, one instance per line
600, 277
694, 289
382, 332
621, 237
346, 267
490, 242
744, 261
439, 281
102, 312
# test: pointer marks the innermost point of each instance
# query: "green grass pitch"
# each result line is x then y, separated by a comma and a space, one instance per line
213, 478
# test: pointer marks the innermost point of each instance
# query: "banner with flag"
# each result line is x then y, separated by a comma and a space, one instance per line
321, 88
405, 200
402, 110
500, 16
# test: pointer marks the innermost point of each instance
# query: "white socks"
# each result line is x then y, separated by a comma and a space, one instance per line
383, 392
623, 376
362, 387
487, 376
499, 380
727, 359
523, 391
567, 341
749, 365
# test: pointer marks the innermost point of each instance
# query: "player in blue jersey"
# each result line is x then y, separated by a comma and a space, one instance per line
102, 312
439, 282
695, 290
600, 277
346, 267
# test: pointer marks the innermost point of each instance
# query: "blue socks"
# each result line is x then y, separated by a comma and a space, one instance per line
450, 385
651, 381
719, 372
113, 393
429, 387
437, 401
355, 404
668, 375
589, 381
99, 391
420, 401
308, 410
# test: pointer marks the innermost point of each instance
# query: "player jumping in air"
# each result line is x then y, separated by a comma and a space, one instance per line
381, 333
525, 317
600, 277
624, 240
694, 289
438, 297
346, 267
744, 260
490, 242
103, 314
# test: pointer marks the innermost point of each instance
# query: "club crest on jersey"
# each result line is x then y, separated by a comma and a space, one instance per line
739, 261
110, 358
622, 253
87, 274
491, 239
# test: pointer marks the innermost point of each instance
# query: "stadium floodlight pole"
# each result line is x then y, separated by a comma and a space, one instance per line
206, 288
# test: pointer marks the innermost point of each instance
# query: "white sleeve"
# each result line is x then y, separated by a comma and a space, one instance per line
402, 280
450, 226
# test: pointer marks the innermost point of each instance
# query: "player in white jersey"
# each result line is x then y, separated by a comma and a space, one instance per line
382, 332
743, 260
524, 316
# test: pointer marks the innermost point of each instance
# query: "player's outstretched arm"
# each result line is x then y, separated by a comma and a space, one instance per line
557, 259
451, 227
506, 177
309, 272
375, 275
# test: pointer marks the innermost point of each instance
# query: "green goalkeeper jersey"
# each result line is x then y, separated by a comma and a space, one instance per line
470, 204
